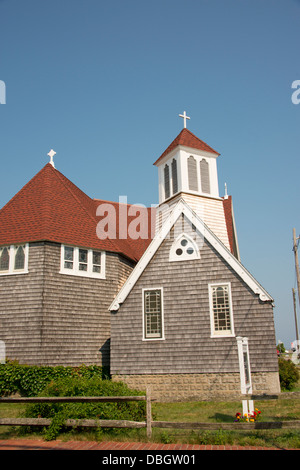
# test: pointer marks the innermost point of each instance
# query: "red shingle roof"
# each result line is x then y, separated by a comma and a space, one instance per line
51, 208
187, 139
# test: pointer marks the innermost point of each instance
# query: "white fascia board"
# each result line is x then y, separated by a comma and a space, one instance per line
182, 208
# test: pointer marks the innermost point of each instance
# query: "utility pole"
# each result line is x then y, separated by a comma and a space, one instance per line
295, 249
296, 323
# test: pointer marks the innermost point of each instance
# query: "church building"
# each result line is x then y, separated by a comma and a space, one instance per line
171, 307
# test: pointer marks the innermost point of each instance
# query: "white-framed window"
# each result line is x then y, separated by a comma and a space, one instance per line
153, 321
184, 249
82, 262
14, 259
221, 316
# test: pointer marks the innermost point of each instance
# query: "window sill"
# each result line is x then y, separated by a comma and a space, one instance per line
14, 273
154, 339
229, 335
69, 272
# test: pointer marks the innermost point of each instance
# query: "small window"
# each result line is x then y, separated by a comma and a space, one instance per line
174, 176
82, 262
153, 318
192, 174
184, 249
96, 261
204, 172
20, 258
14, 259
69, 256
221, 310
4, 259
167, 181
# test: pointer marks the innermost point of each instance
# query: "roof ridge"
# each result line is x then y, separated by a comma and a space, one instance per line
3, 209
62, 177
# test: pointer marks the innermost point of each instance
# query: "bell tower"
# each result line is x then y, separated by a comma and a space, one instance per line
187, 170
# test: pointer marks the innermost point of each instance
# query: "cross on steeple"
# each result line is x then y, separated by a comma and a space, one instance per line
51, 155
185, 117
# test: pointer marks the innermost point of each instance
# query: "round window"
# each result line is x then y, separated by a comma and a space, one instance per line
190, 251
179, 251
184, 242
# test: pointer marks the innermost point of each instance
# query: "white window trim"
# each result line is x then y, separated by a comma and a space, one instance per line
12, 252
184, 257
162, 314
75, 270
223, 334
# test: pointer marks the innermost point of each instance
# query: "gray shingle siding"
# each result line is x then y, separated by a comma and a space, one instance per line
188, 346
56, 319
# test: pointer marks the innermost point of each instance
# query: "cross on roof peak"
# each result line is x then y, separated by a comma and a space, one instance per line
51, 155
185, 117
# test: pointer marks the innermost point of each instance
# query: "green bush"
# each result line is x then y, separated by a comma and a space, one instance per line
288, 374
28, 380
83, 386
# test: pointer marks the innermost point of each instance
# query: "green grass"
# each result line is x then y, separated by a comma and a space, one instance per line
210, 412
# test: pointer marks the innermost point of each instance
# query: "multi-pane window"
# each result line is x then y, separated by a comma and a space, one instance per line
153, 322
14, 259
82, 262
221, 311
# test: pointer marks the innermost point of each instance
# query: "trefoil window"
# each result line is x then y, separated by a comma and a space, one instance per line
184, 249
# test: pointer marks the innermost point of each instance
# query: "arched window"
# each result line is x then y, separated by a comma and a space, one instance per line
19, 257
167, 181
174, 176
4, 259
192, 174
183, 249
204, 172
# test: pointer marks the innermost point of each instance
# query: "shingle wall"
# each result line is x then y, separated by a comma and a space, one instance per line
57, 319
188, 346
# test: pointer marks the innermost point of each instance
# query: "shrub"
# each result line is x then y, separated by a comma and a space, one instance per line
288, 374
83, 386
28, 380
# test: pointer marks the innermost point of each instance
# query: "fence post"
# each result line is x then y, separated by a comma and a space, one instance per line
149, 412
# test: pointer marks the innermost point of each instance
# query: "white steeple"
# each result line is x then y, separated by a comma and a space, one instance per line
187, 170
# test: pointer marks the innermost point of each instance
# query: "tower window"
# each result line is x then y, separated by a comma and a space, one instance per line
192, 174
167, 181
174, 176
204, 172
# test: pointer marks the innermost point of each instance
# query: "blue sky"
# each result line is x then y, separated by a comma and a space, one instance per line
102, 83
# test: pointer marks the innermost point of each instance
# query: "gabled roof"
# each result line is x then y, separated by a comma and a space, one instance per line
187, 139
51, 208
182, 208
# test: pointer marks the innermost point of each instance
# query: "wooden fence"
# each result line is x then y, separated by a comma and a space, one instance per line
149, 424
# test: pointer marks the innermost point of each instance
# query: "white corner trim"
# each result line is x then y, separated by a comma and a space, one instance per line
182, 208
